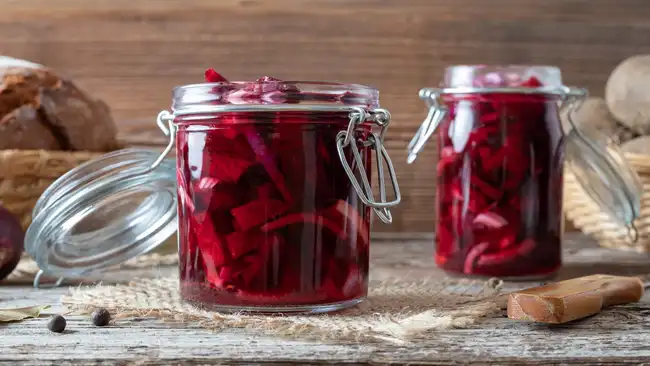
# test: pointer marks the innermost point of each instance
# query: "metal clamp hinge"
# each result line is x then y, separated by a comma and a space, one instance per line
437, 113
376, 141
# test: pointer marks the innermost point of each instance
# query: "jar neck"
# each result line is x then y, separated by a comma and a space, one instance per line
502, 76
514, 96
278, 94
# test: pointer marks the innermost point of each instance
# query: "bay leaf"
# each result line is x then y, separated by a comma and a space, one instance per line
12, 315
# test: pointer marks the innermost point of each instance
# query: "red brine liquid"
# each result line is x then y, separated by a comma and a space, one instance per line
267, 215
499, 185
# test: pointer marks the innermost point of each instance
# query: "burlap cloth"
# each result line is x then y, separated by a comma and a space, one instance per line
27, 268
398, 310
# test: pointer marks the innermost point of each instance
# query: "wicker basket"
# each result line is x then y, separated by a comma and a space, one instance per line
586, 216
25, 174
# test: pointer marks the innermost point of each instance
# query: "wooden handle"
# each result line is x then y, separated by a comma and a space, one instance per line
565, 301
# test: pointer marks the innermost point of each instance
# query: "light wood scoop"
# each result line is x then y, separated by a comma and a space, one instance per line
569, 300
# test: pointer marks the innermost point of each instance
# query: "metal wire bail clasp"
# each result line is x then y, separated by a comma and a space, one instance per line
571, 100
165, 122
437, 113
344, 139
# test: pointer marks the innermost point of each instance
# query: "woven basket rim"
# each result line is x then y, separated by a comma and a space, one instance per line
36, 164
49, 152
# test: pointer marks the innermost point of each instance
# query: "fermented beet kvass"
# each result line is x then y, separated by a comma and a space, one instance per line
499, 182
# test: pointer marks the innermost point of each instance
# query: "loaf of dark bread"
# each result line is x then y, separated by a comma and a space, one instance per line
41, 110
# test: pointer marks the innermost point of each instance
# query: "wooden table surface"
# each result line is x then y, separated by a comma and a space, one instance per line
617, 336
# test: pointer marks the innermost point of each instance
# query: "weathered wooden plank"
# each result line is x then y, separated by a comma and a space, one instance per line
131, 53
617, 336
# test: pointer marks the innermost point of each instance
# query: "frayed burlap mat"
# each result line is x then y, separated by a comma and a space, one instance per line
27, 268
397, 311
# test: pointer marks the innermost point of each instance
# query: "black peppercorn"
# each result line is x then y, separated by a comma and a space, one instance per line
57, 324
101, 317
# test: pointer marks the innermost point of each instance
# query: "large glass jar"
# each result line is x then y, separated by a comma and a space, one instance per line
502, 148
269, 218
273, 196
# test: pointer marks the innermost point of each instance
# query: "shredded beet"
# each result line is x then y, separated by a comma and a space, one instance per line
500, 185
268, 217
211, 76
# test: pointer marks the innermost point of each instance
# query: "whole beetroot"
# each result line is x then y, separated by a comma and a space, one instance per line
628, 93
11, 242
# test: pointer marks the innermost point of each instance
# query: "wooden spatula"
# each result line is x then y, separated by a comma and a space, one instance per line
569, 300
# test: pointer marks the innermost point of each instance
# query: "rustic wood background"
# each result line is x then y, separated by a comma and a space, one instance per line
131, 53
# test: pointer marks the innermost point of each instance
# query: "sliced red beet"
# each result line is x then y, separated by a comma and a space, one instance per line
507, 255
491, 220
306, 218
184, 196
256, 213
241, 243
356, 223
211, 76
222, 196
211, 246
267, 79
226, 168
266, 159
207, 183
532, 82
267, 192
474, 253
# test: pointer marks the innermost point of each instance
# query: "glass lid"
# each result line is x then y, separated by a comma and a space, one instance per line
103, 213
603, 172
598, 164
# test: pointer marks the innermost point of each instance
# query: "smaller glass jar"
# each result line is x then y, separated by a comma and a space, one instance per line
502, 148
272, 197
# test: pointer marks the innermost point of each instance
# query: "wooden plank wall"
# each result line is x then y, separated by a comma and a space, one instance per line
131, 53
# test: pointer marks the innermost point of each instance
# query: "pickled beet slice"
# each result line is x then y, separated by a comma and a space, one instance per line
266, 159
532, 82
222, 196
226, 168
356, 223
183, 195
211, 247
305, 218
507, 255
211, 76
491, 220
256, 213
474, 253
267, 79
267, 191
241, 243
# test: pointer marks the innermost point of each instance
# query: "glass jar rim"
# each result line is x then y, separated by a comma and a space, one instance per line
103, 213
350, 86
503, 66
270, 92
503, 76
